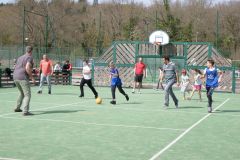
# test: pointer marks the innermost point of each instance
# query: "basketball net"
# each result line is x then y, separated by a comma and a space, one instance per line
157, 43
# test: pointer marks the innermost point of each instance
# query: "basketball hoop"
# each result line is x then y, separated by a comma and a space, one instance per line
157, 43
159, 38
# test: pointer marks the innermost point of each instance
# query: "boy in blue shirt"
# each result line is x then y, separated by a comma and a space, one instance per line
212, 81
115, 83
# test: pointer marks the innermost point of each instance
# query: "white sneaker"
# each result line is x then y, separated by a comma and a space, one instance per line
133, 91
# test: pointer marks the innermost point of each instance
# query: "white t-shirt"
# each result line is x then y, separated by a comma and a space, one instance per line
197, 79
57, 67
185, 80
87, 75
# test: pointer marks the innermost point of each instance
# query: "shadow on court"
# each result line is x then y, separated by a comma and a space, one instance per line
127, 103
57, 112
64, 94
187, 107
226, 111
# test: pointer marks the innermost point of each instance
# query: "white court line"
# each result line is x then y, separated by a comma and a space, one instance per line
157, 155
225, 115
139, 109
6, 114
173, 111
32, 102
8, 92
96, 124
148, 110
1, 158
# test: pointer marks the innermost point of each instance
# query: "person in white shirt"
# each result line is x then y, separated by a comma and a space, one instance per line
184, 83
87, 78
57, 69
197, 84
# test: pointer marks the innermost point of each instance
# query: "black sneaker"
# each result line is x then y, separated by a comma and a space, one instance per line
28, 114
96, 96
81, 96
176, 105
39, 92
113, 102
17, 110
127, 98
49, 92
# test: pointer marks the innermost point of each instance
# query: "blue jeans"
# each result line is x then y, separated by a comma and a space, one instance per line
168, 90
43, 78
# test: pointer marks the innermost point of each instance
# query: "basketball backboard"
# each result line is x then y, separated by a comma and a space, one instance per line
159, 37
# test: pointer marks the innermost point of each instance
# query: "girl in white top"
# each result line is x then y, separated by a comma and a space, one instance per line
184, 83
87, 78
160, 74
197, 84
57, 67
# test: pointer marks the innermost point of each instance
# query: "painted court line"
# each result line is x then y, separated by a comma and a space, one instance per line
31, 102
8, 92
157, 155
146, 110
12, 113
96, 124
1, 158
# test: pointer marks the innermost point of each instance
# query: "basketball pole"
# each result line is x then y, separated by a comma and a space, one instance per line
24, 23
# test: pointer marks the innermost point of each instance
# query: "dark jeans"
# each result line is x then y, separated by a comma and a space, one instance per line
65, 77
209, 95
113, 89
89, 83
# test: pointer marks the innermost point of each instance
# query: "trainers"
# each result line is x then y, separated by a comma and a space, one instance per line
176, 104
17, 110
127, 98
133, 91
165, 106
113, 102
49, 92
28, 114
209, 109
81, 96
139, 92
39, 92
96, 96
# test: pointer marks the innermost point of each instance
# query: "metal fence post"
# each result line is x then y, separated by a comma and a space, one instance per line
92, 72
209, 51
233, 80
0, 78
185, 51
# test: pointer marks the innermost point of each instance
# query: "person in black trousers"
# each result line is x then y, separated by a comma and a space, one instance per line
87, 78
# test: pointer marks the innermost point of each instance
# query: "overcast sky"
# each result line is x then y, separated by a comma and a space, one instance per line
147, 2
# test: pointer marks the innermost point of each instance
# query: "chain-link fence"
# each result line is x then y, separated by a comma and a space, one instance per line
8, 55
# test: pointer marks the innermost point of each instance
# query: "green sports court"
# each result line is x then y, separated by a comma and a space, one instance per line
119, 32
68, 127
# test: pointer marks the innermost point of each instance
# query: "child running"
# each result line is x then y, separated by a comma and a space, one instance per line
184, 83
115, 83
212, 81
87, 78
197, 84
159, 79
